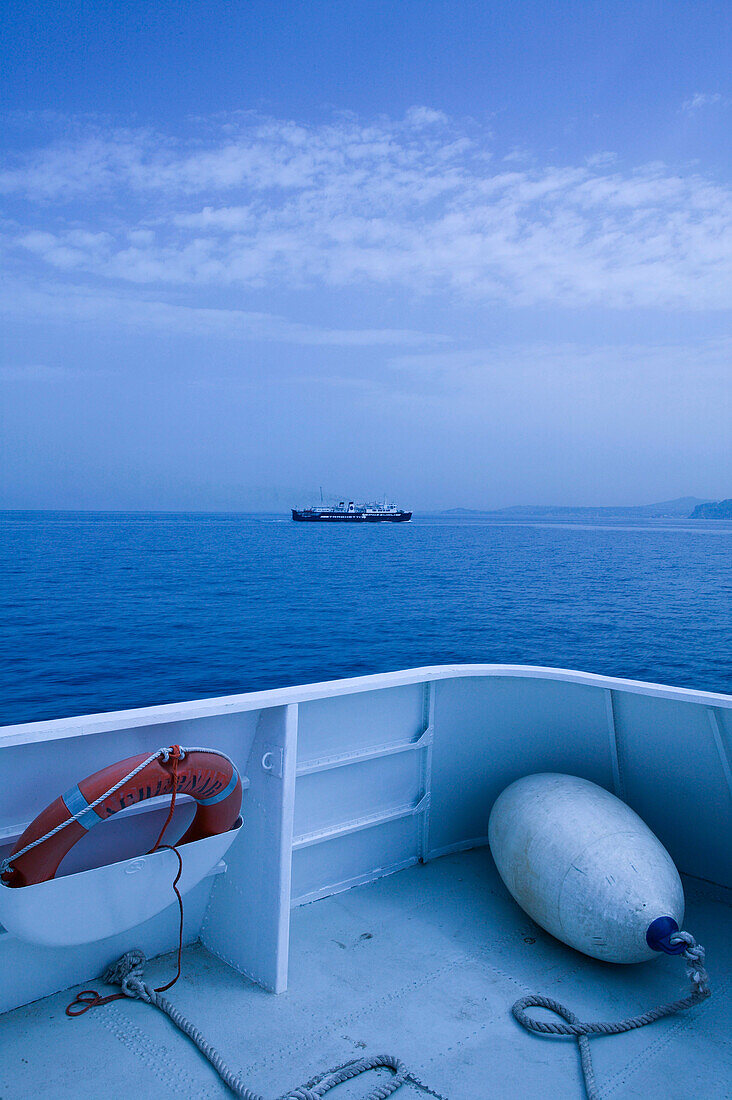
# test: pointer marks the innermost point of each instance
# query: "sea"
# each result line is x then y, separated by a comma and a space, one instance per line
106, 611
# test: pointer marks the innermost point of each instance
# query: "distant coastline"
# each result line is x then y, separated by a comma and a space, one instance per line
680, 508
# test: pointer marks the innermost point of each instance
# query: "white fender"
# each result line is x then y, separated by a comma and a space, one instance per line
583, 865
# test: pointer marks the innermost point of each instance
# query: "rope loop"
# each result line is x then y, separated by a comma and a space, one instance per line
581, 1031
317, 1088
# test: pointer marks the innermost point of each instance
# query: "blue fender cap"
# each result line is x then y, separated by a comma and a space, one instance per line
658, 936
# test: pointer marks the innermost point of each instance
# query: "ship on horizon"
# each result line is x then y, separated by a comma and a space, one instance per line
374, 512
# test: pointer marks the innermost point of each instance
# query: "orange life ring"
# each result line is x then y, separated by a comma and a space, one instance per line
207, 776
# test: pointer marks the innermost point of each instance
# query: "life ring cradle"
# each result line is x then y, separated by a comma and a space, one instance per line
207, 775
88, 906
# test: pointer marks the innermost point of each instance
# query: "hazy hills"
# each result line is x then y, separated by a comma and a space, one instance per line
680, 508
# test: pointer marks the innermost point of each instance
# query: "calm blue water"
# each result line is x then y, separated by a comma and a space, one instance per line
106, 611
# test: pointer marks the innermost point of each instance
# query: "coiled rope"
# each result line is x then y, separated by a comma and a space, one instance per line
581, 1031
128, 974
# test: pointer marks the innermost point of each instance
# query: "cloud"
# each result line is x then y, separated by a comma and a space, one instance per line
425, 116
411, 205
601, 160
52, 303
518, 155
703, 99
563, 360
535, 382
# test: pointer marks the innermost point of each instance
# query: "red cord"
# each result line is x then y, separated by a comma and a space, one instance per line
162, 988
89, 998
175, 756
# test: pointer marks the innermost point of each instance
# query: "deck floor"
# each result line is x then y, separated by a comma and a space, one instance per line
424, 964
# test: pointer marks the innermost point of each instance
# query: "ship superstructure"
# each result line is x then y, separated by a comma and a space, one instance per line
374, 512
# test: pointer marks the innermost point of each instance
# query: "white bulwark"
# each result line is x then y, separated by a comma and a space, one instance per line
349, 783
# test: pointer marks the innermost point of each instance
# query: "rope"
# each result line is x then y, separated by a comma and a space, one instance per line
128, 974
177, 756
577, 1029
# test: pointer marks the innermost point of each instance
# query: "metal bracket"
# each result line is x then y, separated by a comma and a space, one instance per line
273, 761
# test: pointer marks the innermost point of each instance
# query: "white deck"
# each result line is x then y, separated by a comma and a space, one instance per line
424, 964
322, 899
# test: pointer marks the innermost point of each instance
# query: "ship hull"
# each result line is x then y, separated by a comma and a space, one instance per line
349, 517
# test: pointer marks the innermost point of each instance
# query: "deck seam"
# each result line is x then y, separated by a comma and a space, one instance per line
154, 1054
686, 1021
371, 1006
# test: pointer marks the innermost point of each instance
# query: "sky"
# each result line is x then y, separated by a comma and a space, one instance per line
465, 254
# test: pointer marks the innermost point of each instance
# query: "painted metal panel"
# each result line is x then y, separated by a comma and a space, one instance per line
720, 723
92, 725
339, 864
673, 777
369, 719
490, 732
325, 798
